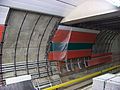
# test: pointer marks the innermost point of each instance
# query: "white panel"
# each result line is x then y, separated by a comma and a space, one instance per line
3, 14
99, 82
55, 5
79, 2
113, 84
48, 6
74, 2
18, 79
90, 8
70, 2
58, 3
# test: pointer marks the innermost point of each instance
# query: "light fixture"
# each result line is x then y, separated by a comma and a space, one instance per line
114, 2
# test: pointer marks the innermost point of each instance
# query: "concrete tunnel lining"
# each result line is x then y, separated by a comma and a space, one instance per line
25, 40
104, 41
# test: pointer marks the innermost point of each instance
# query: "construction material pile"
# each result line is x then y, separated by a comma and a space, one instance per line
106, 82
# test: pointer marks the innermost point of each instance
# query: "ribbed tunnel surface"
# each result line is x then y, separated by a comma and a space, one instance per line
26, 39
105, 41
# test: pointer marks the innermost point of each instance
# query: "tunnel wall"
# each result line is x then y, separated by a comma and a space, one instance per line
104, 41
108, 41
116, 45
25, 46
3, 15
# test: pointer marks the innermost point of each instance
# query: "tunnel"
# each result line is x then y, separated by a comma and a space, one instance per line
39, 43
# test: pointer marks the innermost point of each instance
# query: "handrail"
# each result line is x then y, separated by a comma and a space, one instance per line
82, 78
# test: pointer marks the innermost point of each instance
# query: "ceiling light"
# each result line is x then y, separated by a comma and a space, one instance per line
114, 2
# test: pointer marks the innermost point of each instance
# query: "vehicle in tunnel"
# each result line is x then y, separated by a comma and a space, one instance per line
43, 46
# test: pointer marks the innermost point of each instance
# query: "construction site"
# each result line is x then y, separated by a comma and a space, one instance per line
59, 45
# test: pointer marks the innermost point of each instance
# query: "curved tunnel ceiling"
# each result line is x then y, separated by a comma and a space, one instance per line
56, 7
26, 39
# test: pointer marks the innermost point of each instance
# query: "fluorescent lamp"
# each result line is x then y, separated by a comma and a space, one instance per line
114, 2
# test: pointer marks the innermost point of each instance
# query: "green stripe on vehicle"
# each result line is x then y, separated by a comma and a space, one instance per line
70, 46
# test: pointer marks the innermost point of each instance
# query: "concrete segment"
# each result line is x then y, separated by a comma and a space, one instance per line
26, 34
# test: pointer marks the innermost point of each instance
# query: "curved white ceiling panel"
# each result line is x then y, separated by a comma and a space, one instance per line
90, 8
54, 7
70, 9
